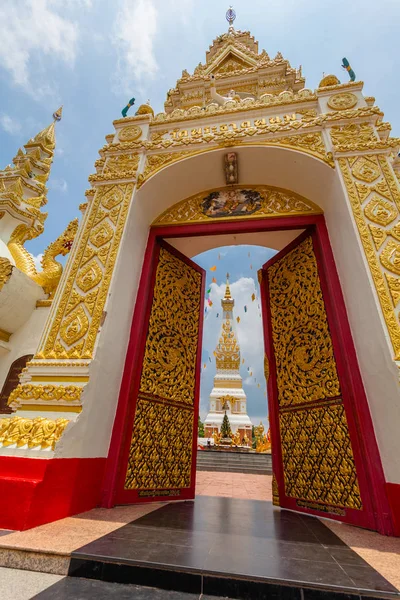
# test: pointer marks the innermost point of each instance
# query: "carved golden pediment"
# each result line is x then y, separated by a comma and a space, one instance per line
230, 64
237, 202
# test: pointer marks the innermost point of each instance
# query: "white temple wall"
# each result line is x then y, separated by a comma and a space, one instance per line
269, 166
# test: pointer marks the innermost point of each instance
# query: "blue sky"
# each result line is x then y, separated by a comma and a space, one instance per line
93, 55
242, 263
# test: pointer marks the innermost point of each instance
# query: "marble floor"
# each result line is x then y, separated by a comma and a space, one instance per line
231, 529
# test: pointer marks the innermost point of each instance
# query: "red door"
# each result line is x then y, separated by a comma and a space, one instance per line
159, 458
318, 466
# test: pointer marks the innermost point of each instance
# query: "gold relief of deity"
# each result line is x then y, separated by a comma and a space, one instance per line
235, 202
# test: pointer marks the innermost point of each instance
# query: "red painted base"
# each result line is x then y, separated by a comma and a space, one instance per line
34, 491
393, 492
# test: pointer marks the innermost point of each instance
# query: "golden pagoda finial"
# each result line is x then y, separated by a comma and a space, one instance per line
227, 289
57, 115
230, 17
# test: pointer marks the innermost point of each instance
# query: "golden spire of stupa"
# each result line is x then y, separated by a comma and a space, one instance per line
227, 289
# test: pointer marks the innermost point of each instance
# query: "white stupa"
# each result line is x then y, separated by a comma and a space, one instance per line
227, 393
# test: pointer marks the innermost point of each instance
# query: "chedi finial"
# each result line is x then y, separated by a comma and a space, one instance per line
230, 17
57, 115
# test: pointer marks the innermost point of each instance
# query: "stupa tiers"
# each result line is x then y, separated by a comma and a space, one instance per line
227, 394
106, 410
26, 293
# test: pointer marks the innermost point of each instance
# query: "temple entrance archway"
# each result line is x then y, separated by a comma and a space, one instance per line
323, 455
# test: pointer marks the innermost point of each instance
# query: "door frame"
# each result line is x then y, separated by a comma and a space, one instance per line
360, 422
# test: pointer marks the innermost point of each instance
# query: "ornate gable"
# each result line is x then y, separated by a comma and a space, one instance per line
236, 64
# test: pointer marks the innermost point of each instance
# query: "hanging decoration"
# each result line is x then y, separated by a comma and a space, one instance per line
213, 280
253, 297
245, 309
238, 319
214, 268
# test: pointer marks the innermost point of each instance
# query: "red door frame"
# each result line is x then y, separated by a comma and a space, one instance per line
359, 418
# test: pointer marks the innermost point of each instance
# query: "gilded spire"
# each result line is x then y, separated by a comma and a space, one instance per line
227, 289
23, 185
227, 352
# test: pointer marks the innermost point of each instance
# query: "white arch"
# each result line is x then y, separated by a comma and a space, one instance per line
258, 165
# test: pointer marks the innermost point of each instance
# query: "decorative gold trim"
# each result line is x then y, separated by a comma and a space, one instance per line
35, 433
308, 143
375, 268
274, 202
342, 101
5, 335
50, 408
75, 326
48, 393
77, 378
44, 303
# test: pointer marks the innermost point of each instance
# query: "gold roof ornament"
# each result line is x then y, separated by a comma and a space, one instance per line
227, 289
23, 193
145, 109
328, 80
57, 114
232, 55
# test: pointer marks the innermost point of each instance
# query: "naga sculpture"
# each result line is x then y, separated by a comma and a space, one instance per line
49, 277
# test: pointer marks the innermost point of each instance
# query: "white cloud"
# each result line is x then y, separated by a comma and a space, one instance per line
58, 185
9, 124
37, 260
134, 32
30, 29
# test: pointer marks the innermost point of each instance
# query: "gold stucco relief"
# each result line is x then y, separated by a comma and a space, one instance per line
375, 205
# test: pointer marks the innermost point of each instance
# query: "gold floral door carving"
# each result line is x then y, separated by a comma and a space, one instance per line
162, 447
315, 465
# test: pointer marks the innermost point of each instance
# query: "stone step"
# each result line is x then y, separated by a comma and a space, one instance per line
234, 462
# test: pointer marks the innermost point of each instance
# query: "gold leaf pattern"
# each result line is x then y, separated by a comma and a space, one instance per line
306, 369
318, 461
89, 276
317, 456
161, 447
366, 168
160, 452
75, 326
380, 211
